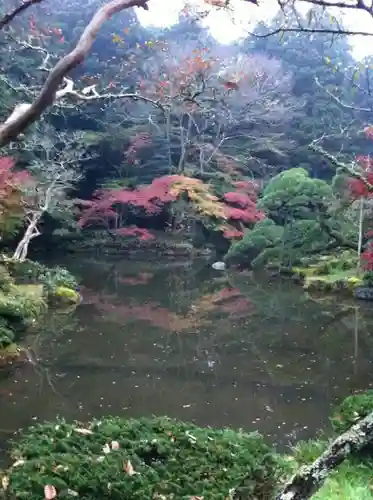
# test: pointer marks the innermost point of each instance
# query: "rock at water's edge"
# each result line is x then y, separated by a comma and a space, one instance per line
363, 293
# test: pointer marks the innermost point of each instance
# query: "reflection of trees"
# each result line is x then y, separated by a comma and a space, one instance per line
226, 301
294, 333
195, 321
189, 336
38, 351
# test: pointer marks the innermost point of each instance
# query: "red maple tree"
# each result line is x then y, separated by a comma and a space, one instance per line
361, 187
9, 177
12, 196
241, 209
108, 207
150, 199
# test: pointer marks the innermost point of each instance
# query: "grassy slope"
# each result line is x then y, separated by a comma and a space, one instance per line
353, 480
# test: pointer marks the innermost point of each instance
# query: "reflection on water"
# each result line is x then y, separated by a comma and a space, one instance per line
186, 341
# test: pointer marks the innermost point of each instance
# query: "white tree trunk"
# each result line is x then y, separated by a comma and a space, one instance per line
31, 232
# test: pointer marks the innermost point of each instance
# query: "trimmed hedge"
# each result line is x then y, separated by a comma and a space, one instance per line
155, 458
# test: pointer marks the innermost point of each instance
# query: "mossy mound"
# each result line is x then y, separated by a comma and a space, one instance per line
330, 273
65, 296
339, 281
351, 410
141, 459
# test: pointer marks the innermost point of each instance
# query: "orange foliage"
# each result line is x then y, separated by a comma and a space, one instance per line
199, 196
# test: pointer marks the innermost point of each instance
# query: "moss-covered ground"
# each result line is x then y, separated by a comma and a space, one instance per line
336, 272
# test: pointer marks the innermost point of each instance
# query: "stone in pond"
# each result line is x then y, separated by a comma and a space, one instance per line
363, 293
219, 266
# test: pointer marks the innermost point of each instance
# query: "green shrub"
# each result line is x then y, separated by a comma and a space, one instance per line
6, 280
170, 459
351, 410
368, 278
305, 452
56, 277
6, 334
33, 272
27, 271
22, 303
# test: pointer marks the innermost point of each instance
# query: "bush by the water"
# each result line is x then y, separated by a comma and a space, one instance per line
32, 272
141, 459
351, 410
25, 290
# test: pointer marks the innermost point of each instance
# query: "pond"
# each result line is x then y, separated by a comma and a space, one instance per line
180, 339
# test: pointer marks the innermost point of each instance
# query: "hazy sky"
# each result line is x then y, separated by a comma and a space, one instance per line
225, 29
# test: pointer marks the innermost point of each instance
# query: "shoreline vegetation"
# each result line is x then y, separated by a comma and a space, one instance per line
162, 458
27, 290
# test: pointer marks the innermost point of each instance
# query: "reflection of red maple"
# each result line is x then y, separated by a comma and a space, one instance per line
143, 279
228, 301
231, 301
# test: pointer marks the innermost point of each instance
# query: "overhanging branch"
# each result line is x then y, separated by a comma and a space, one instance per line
343, 166
340, 102
7, 18
29, 113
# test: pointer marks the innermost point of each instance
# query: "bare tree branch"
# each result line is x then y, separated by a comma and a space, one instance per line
351, 169
303, 29
7, 18
340, 102
90, 94
25, 114
309, 25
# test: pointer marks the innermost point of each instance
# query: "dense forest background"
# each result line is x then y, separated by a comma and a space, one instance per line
239, 112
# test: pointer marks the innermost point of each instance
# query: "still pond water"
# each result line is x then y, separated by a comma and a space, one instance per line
183, 340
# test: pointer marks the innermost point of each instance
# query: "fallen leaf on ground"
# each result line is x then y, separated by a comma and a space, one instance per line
5, 482
83, 431
128, 468
49, 492
106, 449
18, 463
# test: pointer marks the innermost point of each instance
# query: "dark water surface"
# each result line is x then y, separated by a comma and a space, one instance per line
183, 340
